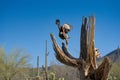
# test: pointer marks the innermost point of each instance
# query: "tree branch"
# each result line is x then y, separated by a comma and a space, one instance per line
83, 40
103, 70
90, 42
62, 57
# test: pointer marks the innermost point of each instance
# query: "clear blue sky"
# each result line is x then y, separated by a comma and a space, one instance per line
27, 24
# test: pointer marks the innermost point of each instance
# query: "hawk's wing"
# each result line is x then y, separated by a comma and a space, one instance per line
67, 26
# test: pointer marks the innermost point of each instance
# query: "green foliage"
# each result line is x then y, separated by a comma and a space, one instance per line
13, 63
115, 72
52, 76
63, 71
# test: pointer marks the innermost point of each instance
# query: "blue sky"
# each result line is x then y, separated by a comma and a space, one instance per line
27, 24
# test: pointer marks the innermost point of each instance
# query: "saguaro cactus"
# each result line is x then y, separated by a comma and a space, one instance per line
46, 62
86, 63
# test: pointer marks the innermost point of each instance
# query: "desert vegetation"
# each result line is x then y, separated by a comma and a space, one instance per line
56, 71
13, 64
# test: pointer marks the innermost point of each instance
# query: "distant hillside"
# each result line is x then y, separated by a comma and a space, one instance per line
114, 55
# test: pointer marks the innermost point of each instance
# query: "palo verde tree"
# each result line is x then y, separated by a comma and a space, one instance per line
13, 63
86, 63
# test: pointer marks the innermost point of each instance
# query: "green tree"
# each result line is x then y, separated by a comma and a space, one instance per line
13, 63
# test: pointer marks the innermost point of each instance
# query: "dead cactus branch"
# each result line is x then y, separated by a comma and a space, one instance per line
86, 63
